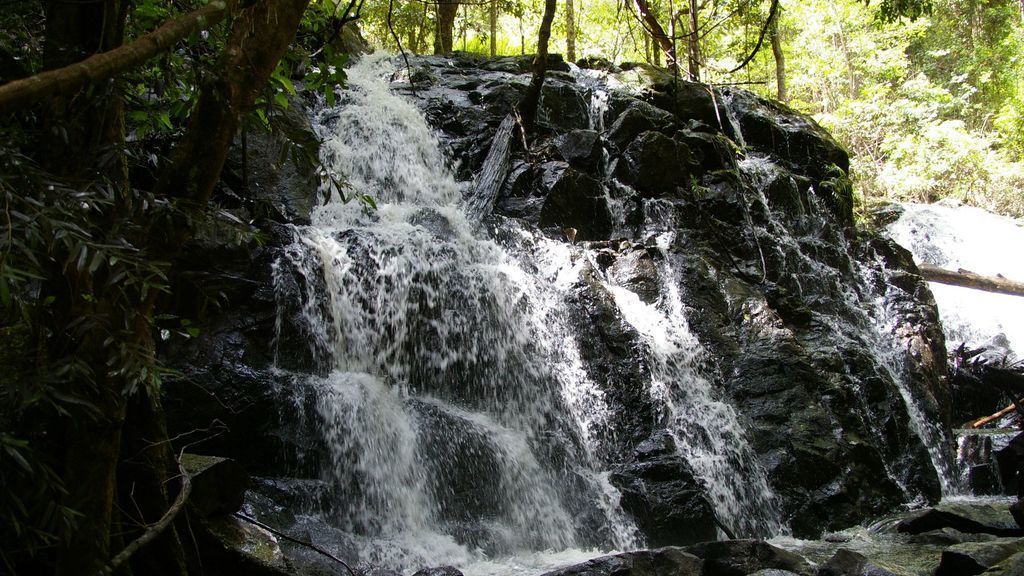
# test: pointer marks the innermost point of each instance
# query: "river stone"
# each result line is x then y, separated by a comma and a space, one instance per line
562, 105
663, 496
741, 557
660, 562
638, 118
849, 563
966, 517
948, 537
976, 557
1012, 566
232, 546
777, 129
578, 201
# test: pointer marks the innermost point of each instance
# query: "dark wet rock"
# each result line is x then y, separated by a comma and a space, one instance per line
661, 562
232, 546
656, 165
971, 518
849, 563
638, 118
562, 105
597, 63
976, 557
776, 129
949, 536
1012, 566
692, 102
582, 149
274, 173
709, 152
741, 557
661, 494
439, 571
218, 484
576, 200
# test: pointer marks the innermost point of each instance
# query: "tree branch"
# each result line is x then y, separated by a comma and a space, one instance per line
17, 94
969, 279
156, 529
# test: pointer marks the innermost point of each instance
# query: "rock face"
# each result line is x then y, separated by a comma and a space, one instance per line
778, 287
816, 336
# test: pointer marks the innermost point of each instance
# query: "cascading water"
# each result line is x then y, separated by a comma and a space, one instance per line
705, 428
964, 237
872, 322
457, 427
465, 419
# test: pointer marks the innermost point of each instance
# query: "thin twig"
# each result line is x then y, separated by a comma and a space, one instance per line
309, 545
156, 529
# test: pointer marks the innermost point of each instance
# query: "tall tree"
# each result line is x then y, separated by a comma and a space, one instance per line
650, 22
780, 61
493, 17
445, 22
570, 31
531, 100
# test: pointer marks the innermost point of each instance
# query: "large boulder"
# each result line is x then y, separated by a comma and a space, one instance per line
662, 495
971, 518
742, 557
576, 200
661, 562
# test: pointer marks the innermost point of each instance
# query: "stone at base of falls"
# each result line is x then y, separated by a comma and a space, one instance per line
976, 557
218, 484
439, 571
1012, 566
971, 518
661, 494
949, 537
660, 562
849, 563
230, 546
741, 557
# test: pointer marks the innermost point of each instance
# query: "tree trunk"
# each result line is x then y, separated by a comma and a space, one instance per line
968, 279
446, 12
693, 42
657, 32
531, 100
67, 77
780, 62
494, 27
570, 31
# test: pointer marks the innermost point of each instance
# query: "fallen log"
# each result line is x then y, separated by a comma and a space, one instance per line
968, 279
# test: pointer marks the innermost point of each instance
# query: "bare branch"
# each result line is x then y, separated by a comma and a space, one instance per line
156, 529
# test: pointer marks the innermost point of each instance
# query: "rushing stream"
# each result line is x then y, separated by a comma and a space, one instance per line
462, 423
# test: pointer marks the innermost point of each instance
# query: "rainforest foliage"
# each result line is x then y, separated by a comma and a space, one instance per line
116, 118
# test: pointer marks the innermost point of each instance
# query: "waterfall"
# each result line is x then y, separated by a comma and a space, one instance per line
459, 394
955, 237
459, 428
706, 428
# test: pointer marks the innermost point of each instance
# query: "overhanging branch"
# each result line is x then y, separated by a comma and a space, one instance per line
18, 94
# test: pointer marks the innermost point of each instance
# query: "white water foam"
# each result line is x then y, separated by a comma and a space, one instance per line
458, 420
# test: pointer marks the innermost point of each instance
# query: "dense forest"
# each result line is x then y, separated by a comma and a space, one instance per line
118, 117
